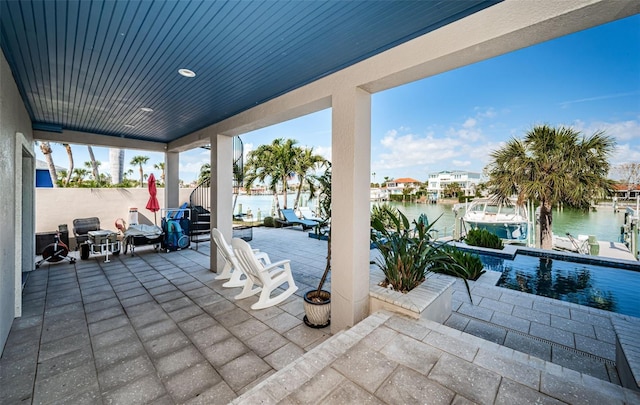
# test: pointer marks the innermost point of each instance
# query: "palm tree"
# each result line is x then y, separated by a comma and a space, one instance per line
286, 154
79, 175
70, 171
205, 173
94, 165
116, 164
160, 166
305, 161
274, 162
550, 166
45, 147
260, 167
139, 161
62, 178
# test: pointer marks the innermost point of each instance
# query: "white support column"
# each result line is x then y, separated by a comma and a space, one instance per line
221, 192
351, 159
171, 179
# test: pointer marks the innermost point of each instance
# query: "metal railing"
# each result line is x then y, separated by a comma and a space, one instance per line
200, 198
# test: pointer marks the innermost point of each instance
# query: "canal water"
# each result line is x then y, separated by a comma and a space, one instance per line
603, 222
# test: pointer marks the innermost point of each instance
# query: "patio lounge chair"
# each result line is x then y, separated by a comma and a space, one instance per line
291, 218
266, 278
232, 270
306, 213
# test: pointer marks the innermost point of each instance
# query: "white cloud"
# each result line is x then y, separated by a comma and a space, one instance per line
246, 149
482, 152
461, 163
324, 151
486, 113
568, 103
625, 153
620, 131
389, 139
626, 134
191, 168
105, 168
469, 134
470, 123
412, 150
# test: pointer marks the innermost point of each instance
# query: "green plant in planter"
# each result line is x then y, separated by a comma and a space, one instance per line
469, 266
483, 238
406, 253
269, 222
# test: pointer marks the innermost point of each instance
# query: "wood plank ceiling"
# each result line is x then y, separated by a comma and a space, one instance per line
93, 65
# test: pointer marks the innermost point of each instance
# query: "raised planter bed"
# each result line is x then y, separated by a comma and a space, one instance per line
430, 300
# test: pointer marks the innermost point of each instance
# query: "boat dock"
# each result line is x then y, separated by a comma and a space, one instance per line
615, 250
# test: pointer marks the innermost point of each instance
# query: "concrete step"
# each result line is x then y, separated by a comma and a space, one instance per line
469, 366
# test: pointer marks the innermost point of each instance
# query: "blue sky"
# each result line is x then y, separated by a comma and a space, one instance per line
588, 80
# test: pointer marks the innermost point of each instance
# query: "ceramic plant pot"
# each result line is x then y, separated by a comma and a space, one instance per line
317, 308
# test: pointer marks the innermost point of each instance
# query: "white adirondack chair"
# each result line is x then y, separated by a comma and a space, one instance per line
232, 270
262, 278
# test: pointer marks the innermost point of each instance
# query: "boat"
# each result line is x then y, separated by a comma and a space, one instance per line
377, 194
508, 221
572, 244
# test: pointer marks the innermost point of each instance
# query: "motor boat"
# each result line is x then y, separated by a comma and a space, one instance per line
509, 220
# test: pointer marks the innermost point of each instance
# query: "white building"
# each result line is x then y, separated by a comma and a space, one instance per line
399, 186
468, 181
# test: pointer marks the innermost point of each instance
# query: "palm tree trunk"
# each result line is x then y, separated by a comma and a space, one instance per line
45, 147
546, 232
94, 166
284, 190
276, 200
70, 172
141, 176
295, 203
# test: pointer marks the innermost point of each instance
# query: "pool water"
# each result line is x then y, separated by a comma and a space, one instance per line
607, 288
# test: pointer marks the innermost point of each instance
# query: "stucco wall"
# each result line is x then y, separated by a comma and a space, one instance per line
56, 206
13, 119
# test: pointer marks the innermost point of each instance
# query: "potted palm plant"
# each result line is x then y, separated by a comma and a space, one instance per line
317, 303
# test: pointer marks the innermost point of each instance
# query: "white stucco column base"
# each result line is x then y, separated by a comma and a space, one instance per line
221, 193
351, 157
171, 179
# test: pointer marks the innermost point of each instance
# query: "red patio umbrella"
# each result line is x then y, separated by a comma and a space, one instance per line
153, 204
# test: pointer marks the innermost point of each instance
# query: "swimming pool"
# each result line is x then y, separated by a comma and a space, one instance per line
611, 289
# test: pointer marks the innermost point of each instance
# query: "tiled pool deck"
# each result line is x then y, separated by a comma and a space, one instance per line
156, 328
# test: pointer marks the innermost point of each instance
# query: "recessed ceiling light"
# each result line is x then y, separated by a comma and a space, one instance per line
146, 109
129, 126
187, 72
